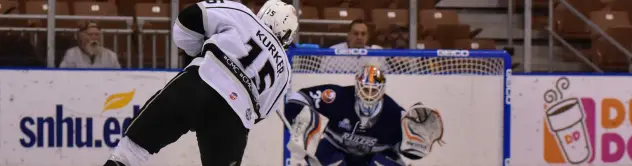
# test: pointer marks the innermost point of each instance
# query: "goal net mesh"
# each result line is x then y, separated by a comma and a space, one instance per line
399, 65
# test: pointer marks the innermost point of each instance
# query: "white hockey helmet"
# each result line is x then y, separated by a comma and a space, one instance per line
281, 18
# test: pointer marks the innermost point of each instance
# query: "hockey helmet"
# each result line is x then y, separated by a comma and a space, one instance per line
369, 89
281, 18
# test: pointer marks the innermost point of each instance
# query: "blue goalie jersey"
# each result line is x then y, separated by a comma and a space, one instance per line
343, 130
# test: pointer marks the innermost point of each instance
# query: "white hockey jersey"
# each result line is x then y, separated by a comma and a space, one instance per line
242, 60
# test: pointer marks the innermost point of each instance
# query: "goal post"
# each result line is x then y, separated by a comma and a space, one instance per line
470, 89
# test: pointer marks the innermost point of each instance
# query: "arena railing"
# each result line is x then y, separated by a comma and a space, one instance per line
412, 23
175, 59
553, 35
127, 32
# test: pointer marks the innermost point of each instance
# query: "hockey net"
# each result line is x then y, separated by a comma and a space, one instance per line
400, 64
469, 88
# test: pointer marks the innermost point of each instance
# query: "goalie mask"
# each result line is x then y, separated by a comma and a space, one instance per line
369, 90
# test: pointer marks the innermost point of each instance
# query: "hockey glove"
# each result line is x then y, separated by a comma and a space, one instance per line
421, 128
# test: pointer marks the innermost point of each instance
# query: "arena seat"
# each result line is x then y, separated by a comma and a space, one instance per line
428, 44
421, 4
606, 55
93, 8
338, 13
617, 25
7, 7
431, 19
10, 7
568, 25
383, 18
155, 9
331, 3
609, 19
310, 12
473, 44
622, 5
443, 26
586, 6
41, 7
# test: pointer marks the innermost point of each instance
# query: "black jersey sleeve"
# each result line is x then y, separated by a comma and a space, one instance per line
192, 18
189, 30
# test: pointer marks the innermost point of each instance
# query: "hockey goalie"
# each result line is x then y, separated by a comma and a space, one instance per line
364, 126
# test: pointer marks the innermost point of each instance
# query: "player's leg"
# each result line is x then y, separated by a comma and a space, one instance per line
221, 135
328, 154
162, 120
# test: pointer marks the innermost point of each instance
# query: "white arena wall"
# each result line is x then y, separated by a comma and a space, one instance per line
597, 130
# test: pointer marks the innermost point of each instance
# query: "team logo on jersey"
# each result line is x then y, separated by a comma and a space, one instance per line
328, 96
345, 124
233, 96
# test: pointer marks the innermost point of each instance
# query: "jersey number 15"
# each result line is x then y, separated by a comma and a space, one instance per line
266, 70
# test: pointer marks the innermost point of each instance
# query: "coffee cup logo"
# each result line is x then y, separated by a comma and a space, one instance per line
566, 120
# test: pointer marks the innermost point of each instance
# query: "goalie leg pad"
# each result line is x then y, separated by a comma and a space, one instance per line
129, 153
306, 130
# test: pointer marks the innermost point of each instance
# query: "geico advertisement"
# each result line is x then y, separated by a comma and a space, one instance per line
471, 109
571, 120
74, 117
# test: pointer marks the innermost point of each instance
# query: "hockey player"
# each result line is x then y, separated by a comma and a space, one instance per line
363, 124
240, 76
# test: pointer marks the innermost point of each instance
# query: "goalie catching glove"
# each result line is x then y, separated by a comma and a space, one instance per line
421, 128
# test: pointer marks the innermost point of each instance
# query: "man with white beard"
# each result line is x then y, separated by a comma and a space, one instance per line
89, 53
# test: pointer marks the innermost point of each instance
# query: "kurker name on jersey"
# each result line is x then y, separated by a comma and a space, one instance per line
273, 50
238, 56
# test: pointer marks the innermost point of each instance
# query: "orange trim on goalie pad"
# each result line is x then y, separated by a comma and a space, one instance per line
314, 132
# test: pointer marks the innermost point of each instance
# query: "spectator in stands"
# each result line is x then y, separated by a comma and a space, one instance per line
89, 53
357, 36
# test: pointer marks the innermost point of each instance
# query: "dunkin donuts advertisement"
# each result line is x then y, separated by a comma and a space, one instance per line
571, 120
